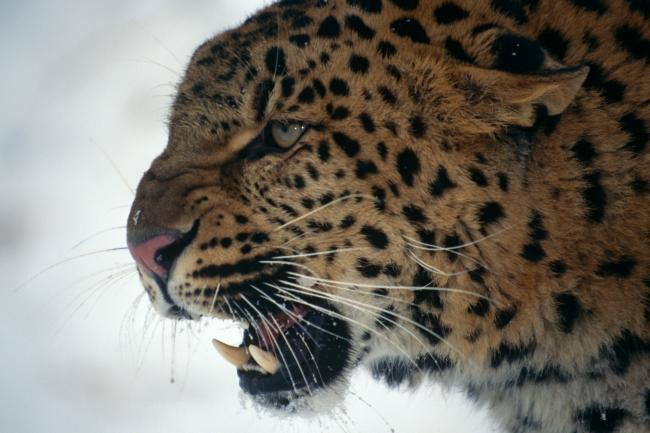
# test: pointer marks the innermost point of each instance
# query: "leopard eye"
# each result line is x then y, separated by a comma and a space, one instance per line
286, 135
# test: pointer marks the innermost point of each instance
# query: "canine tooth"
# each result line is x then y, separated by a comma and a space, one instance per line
237, 356
264, 359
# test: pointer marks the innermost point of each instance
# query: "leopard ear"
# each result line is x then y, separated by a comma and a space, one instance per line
512, 98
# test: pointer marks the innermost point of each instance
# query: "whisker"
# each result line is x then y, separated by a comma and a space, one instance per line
101, 232
389, 287
320, 208
321, 253
64, 261
431, 268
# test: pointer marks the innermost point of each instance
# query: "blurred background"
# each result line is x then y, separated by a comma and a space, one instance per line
85, 87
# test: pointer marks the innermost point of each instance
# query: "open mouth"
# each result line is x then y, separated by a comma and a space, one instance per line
287, 351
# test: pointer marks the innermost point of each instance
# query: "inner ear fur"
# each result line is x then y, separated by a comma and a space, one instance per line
511, 99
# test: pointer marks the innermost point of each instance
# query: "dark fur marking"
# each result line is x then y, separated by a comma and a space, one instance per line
502, 318
456, 51
568, 309
511, 353
636, 128
441, 184
490, 212
631, 39
408, 166
359, 64
348, 145
591, 5
357, 25
449, 12
595, 197
371, 6
584, 152
597, 419
410, 28
623, 267
262, 96
329, 28
512, 9
623, 349
554, 42
375, 237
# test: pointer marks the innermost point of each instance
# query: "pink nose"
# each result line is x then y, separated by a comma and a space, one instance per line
150, 254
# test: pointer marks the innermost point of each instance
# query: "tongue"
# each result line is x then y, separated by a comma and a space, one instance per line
274, 325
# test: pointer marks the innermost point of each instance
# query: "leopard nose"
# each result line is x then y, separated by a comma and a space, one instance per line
156, 254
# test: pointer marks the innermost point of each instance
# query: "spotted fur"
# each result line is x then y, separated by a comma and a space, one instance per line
495, 149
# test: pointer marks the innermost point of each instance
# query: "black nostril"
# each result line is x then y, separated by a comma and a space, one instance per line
166, 255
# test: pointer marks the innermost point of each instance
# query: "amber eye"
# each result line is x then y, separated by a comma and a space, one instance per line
286, 135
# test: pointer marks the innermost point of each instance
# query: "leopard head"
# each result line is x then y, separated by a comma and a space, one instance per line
331, 169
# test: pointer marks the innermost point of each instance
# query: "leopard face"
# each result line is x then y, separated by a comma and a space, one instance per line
388, 183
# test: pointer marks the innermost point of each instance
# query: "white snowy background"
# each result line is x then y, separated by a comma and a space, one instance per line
85, 87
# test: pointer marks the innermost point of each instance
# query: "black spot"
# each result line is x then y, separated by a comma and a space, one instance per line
382, 150
299, 181
503, 181
502, 318
431, 326
622, 351
394, 72
558, 267
337, 113
631, 39
641, 6
392, 270
307, 95
511, 353
512, 9
490, 212
554, 42
449, 12
623, 267
584, 152
414, 214
226, 242
407, 5
387, 95
241, 219
367, 123
307, 203
533, 252
640, 186
372, 6
481, 308
326, 198
394, 372
288, 84
375, 237
450, 242
478, 177
380, 198
348, 145
359, 64
455, 50
262, 95
329, 28
595, 197
299, 40
613, 91
368, 269
441, 184
637, 130
410, 28
356, 24
386, 49
364, 168
324, 151
417, 127
517, 54
568, 309
347, 222
275, 61
427, 236
386, 318
408, 165
339, 87
591, 5
599, 419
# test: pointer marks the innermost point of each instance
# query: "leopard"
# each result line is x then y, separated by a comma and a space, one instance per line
438, 191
